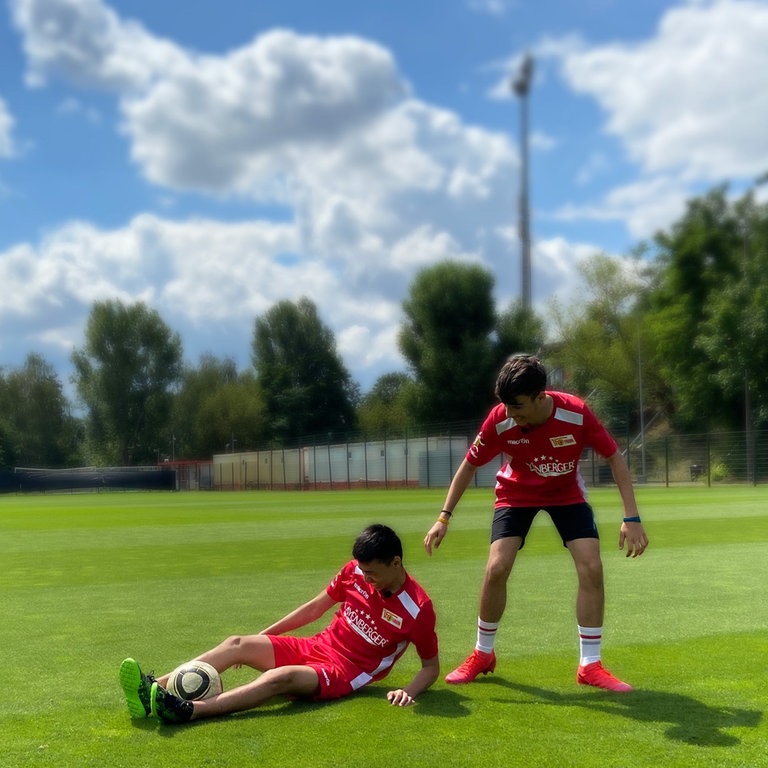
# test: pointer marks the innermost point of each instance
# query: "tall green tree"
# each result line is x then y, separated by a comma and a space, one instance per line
217, 409
36, 426
306, 388
602, 343
447, 340
518, 329
125, 376
695, 258
734, 332
384, 410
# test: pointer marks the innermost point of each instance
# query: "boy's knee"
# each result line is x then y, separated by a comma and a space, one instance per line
591, 572
233, 642
498, 570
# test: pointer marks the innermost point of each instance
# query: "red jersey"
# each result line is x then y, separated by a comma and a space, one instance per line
373, 631
542, 466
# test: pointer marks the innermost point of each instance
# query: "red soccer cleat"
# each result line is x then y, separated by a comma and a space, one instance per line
477, 663
596, 674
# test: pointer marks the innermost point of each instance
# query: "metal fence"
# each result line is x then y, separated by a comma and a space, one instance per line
423, 461
718, 457
430, 461
83, 479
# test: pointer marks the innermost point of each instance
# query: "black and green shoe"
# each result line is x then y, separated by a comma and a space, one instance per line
169, 708
137, 688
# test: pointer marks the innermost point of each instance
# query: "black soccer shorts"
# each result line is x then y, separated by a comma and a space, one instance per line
573, 521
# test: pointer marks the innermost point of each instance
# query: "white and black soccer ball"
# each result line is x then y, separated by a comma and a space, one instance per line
194, 680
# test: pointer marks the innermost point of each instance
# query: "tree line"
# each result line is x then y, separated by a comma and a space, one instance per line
675, 335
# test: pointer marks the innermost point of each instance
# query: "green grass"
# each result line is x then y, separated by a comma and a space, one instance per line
86, 580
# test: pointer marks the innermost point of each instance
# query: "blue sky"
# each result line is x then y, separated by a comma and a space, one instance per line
216, 160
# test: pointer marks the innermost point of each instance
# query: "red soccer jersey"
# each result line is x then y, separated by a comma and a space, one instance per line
373, 631
542, 462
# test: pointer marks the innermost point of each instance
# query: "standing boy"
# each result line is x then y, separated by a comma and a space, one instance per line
543, 434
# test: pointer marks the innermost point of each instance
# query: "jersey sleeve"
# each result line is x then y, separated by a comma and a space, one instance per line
486, 445
424, 636
336, 590
597, 436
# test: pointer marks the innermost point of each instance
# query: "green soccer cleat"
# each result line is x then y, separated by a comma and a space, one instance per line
169, 708
136, 687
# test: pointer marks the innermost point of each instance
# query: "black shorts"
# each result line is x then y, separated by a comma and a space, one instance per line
573, 521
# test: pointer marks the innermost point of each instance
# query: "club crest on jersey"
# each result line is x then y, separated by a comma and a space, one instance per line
392, 618
478, 443
562, 441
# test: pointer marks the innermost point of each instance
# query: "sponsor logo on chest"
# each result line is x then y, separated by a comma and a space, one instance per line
548, 466
365, 625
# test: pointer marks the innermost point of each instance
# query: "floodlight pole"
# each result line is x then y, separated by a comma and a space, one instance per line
521, 85
751, 475
643, 475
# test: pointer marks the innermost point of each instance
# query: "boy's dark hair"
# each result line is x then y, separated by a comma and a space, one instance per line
520, 375
377, 542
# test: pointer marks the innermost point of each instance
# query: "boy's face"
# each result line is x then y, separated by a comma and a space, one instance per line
528, 411
383, 576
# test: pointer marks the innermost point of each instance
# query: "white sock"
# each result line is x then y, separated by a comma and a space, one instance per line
590, 640
486, 635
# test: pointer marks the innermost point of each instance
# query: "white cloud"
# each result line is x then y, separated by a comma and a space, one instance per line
690, 99
320, 124
85, 42
209, 280
222, 124
370, 348
379, 185
558, 260
688, 104
196, 271
645, 206
7, 144
423, 246
557, 257
236, 123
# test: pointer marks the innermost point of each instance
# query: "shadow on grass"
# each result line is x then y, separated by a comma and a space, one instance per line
440, 702
434, 703
145, 724
691, 721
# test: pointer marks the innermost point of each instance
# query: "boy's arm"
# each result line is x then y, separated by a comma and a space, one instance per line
301, 616
633, 533
460, 482
429, 672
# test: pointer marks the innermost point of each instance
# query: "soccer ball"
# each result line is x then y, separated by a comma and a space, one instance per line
194, 680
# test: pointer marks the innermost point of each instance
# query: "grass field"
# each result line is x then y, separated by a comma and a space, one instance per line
86, 580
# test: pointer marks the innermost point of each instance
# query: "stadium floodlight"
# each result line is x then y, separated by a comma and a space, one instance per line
521, 86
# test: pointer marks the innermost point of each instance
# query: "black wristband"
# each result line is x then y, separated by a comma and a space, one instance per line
446, 512
635, 519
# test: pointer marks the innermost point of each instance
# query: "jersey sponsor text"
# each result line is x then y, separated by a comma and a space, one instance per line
359, 622
546, 466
